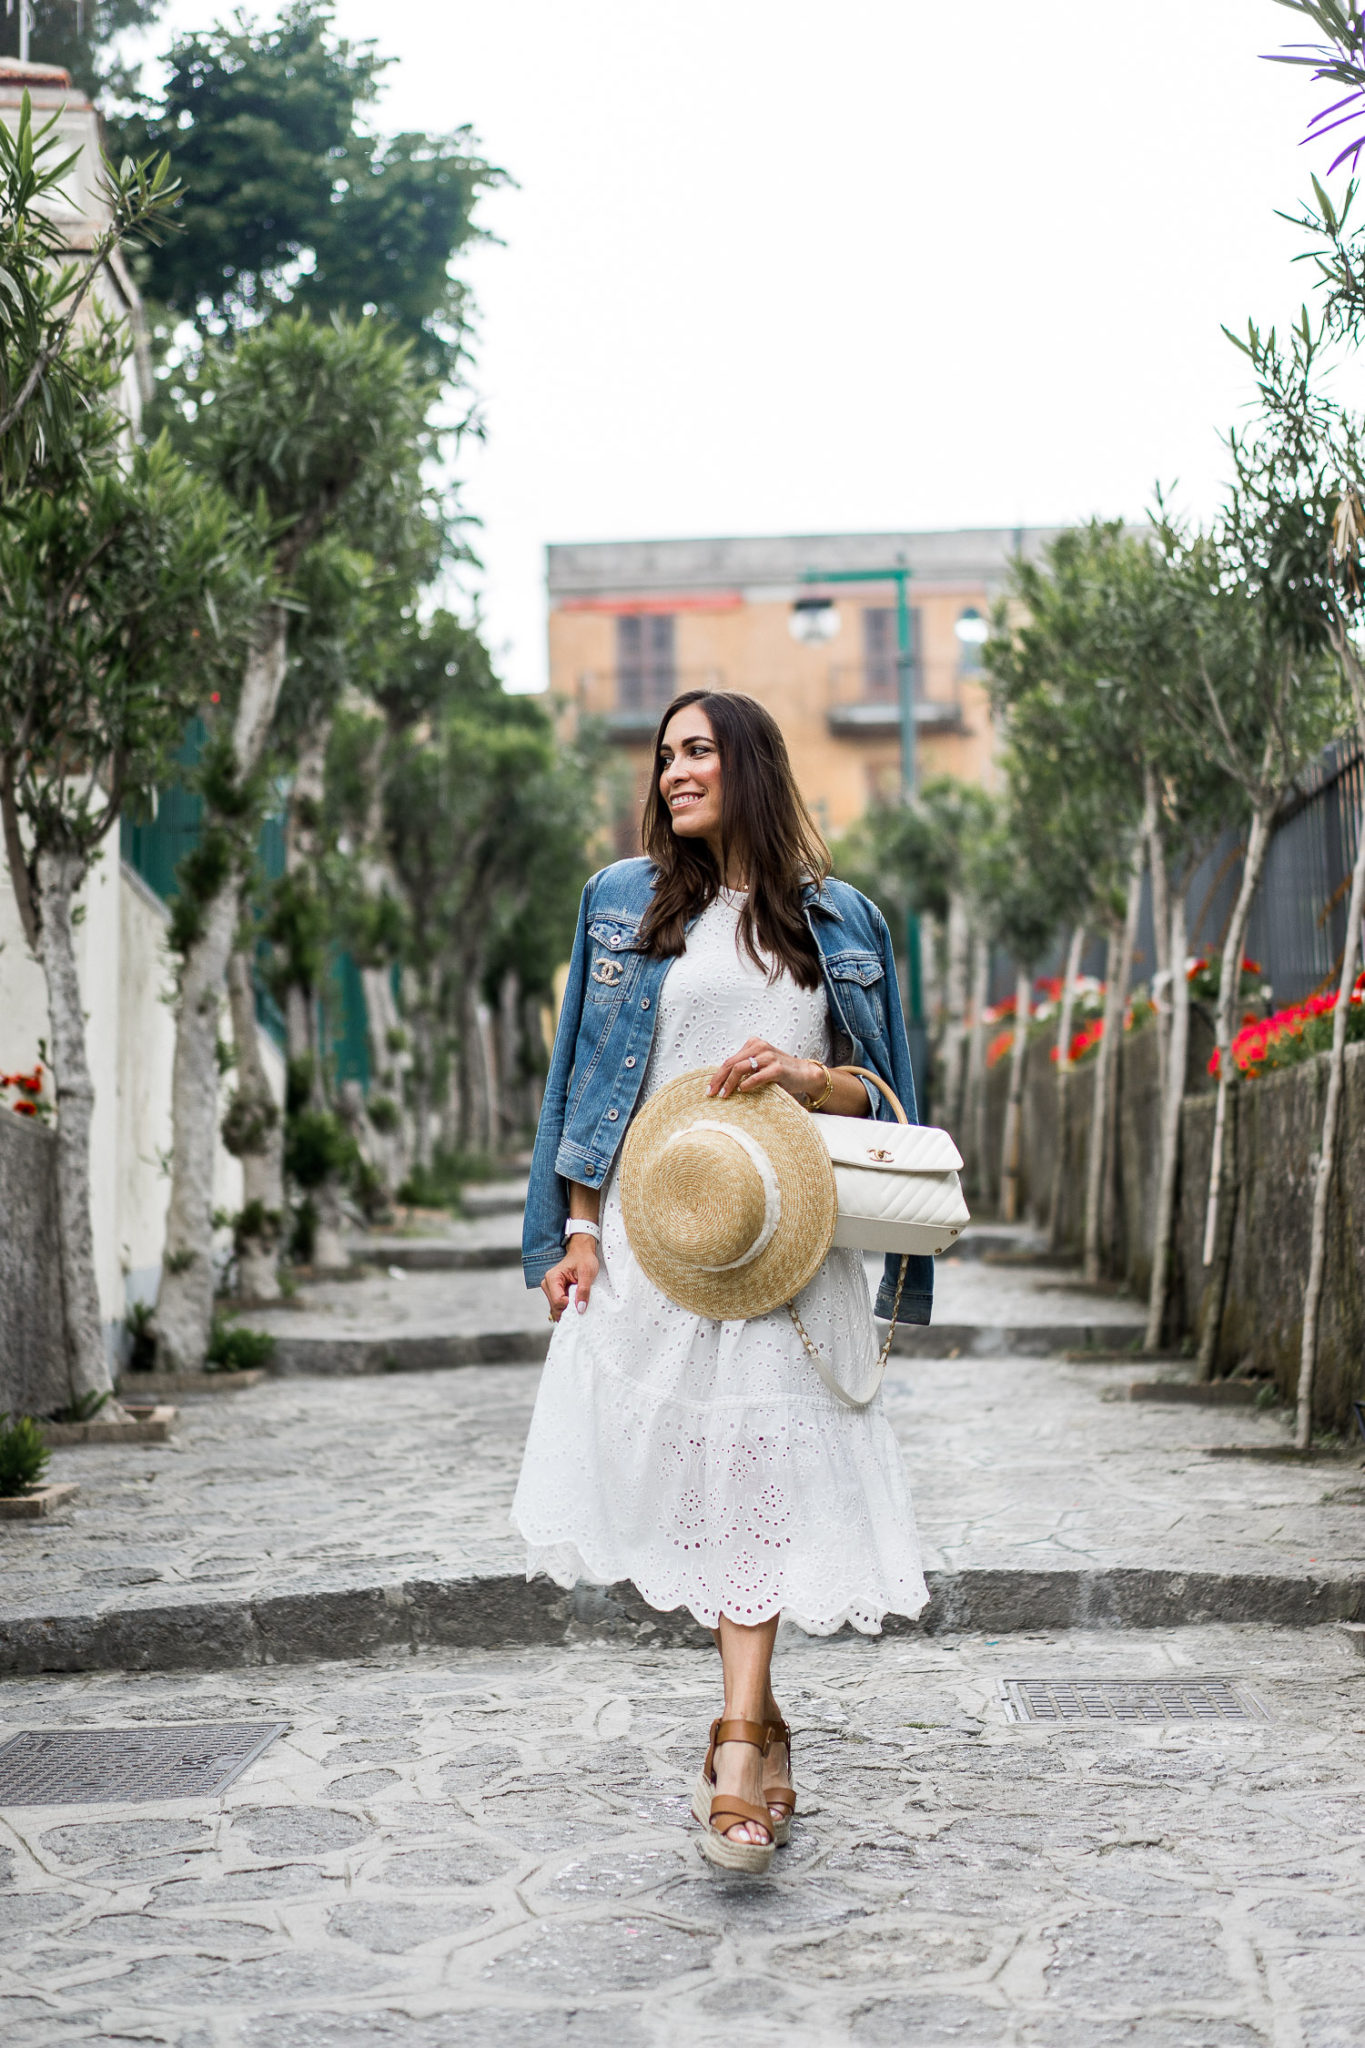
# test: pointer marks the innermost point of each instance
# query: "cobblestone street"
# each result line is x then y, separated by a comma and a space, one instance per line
495, 1849
476, 1825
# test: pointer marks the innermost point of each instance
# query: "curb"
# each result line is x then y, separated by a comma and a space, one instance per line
506, 1610
1019, 1340
439, 1258
346, 1357
338, 1356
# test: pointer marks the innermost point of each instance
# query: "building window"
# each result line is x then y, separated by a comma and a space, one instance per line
646, 664
880, 680
972, 633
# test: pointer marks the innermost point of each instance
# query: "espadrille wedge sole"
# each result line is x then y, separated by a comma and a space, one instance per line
783, 1797
718, 1811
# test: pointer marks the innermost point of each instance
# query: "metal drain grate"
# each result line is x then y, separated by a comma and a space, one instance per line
93, 1766
1145, 1700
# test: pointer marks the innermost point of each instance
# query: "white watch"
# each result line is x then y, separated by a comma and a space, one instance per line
579, 1226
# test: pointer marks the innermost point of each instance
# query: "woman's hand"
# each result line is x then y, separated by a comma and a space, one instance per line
578, 1268
759, 1065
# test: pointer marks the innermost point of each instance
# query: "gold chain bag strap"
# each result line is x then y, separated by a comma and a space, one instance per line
840, 1393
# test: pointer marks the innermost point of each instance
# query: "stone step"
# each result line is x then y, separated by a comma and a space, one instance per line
340, 1355
435, 1255
1005, 1340
1201, 1393
327, 1357
496, 1610
494, 1197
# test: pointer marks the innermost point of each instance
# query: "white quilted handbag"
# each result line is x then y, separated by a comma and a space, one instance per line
897, 1183
898, 1192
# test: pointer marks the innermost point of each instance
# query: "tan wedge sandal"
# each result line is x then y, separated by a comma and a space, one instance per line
718, 1811
781, 1797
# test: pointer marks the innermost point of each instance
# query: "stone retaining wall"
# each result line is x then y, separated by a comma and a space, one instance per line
1281, 1116
32, 1340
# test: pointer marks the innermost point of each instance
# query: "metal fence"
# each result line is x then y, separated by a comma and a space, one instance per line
1298, 921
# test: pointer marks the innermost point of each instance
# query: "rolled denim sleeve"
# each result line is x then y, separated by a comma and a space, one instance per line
547, 1195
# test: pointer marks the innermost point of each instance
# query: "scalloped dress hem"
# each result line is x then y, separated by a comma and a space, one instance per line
565, 1565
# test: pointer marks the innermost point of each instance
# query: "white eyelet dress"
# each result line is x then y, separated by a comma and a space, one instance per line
705, 1461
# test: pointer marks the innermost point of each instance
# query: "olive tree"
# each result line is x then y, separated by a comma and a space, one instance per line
124, 581
318, 428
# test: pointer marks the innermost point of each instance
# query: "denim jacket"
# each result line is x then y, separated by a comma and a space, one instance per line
606, 1029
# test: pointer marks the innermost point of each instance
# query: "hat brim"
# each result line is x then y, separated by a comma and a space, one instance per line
805, 1176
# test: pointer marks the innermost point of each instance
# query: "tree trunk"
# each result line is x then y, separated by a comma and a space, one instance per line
1164, 1229
956, 946
511, 1094
1327, 1152
1009, 1149
1160, 978
261, 1149
184, 1307
1118, 968
59, 875
974, 1106
1065, 1016
1217, 1251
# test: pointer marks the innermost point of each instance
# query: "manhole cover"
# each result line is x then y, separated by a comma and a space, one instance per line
1128, 1699
92, 1766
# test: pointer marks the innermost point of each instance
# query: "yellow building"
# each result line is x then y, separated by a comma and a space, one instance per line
633, 623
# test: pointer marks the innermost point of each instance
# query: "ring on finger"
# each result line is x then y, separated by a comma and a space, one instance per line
753, 1061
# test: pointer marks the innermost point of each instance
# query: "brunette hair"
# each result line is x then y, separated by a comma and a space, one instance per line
764, 824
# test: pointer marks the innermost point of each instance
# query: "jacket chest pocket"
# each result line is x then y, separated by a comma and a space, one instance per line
857, 984
613, 961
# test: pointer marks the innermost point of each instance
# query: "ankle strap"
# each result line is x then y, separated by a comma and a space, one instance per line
753, 1732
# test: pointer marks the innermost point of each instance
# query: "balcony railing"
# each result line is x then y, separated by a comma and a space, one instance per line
864, 700
629, 702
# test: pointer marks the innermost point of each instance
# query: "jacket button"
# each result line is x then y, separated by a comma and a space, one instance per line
630, 1059
645, 1004
615, 941
612, 1115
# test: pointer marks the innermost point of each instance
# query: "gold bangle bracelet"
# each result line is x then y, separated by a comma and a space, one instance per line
821, 1099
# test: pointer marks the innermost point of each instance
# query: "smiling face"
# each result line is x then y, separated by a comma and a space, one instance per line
689, 775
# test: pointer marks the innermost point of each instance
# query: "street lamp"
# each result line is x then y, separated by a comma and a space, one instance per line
808, 609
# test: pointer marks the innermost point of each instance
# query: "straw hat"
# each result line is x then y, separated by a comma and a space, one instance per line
729, 1205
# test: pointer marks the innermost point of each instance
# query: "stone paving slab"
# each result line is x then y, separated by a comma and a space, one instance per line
308, 1518
495, 1850
420, 1321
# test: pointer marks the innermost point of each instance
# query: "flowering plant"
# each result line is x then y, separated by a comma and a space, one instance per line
1083, 1042
1000, 1044
29, 1088
1205, 979
1294, 1034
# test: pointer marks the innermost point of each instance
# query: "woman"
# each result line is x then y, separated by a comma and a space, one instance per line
705, 1461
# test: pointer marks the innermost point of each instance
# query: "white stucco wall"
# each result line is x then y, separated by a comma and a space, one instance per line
126, 982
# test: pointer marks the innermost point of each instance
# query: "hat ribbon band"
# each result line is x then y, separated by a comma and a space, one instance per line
772, 1193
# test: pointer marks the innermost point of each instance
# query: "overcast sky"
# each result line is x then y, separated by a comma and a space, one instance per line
771, 266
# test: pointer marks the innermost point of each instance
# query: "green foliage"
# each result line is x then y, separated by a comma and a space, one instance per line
126, 582
316, 427
23, 1455
383, 1113
233, 1348
441, 1185
914, 857
317, 1147
255, 1224
47, 382
141, 1340
246, 1125
293, 202
80, 35
85, 1409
